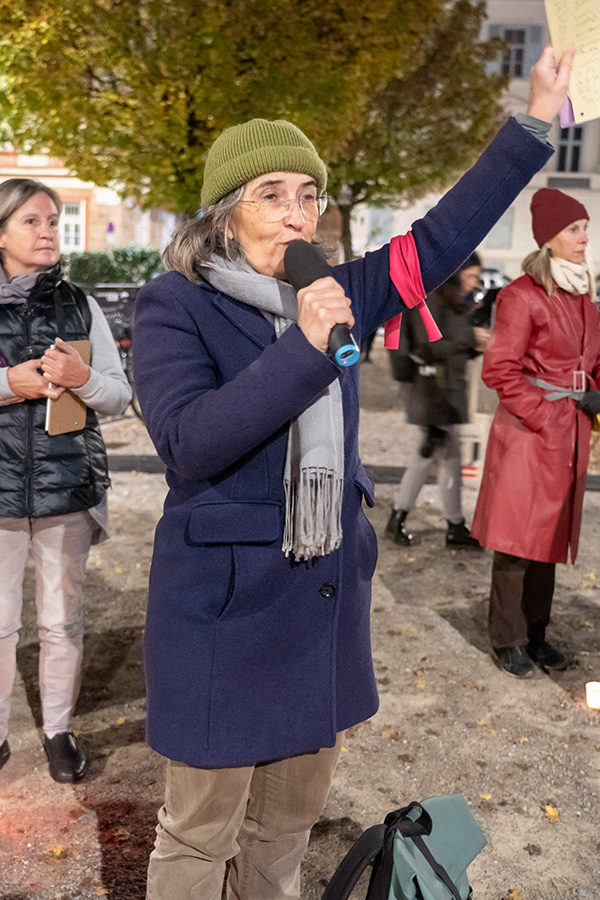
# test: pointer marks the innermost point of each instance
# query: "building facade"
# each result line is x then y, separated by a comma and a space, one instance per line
93, 218
574, 168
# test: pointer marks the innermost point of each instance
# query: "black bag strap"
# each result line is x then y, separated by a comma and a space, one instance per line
437, 868
81, 303
360, 855
376, 846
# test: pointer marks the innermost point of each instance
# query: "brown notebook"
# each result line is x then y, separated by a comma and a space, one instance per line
68, 412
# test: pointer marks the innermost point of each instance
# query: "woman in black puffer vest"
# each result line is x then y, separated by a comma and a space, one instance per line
52, 487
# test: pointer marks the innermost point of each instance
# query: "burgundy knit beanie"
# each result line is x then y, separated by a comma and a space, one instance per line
551, 211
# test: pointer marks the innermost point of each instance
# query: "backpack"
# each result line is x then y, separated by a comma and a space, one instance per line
419, 852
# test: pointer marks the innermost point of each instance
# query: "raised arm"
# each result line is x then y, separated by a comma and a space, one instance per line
464, 216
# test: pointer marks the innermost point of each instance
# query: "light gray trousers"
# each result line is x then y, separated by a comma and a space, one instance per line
60, 546
449, 462
250, 823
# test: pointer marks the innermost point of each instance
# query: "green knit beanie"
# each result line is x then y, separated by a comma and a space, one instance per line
255, 148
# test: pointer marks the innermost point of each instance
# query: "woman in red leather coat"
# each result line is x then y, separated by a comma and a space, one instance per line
544, 361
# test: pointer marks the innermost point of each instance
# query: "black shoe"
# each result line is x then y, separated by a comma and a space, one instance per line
4, 753
458, 535
67, 763
514, 661
396, 529
547, 656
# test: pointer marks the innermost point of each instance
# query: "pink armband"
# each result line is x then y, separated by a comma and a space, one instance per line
405, 273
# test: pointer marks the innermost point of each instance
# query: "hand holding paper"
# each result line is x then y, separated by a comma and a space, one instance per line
576, 23
548, 85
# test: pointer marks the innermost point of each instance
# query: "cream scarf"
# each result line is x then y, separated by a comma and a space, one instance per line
575, 278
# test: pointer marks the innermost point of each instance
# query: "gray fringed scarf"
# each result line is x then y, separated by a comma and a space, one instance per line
314, 467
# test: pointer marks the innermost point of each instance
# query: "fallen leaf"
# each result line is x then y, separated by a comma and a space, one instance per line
523, 740
344, 750
420, 684
118, 570
513, 894
390, 733
57, 851
590, 575
118, 835
121, 720
411, 558
551, 814
486, 796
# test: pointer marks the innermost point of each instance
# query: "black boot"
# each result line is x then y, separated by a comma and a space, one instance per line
4, 753
396, 529
458, 535
67, 763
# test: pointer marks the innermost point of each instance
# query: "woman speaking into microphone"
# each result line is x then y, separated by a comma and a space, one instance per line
257, 642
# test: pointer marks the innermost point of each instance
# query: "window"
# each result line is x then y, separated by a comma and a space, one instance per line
72, 226
512, 63
570, 148
524, 46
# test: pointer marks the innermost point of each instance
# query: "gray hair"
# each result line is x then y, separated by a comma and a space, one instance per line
537, 265
16, 191
194, 242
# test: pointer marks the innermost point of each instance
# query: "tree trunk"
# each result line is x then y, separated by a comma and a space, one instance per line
346, 236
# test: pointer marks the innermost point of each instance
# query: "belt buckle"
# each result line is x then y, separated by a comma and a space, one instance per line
579, 380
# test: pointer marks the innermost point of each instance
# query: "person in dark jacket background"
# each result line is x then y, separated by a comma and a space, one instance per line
438, 402
257, 641
52, 487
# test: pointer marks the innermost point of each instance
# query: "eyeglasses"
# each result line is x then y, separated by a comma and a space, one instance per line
275, 208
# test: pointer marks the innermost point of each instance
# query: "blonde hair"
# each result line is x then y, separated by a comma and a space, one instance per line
16, 191
537, 265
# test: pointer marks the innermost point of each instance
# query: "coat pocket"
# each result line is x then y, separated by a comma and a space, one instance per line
235, 522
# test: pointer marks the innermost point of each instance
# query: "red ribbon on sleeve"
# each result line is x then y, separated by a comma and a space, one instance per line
405, 273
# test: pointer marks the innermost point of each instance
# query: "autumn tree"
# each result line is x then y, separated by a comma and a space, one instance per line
131, 93
423, 128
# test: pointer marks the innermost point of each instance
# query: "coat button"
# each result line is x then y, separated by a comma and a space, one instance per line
327, 590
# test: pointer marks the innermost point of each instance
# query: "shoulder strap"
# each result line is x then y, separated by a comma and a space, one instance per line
358, 858
82, 305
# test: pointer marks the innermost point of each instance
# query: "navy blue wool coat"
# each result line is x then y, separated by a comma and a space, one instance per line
250, 656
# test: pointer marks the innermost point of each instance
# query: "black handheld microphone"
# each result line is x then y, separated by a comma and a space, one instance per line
304, 263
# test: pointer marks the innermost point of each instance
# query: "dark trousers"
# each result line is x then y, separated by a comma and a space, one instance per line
520, 600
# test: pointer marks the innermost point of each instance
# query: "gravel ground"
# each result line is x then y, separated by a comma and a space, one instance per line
525, 754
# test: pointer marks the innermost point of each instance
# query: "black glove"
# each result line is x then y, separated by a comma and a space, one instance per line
590, 403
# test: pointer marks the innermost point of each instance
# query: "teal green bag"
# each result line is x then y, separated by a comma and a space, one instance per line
420, 852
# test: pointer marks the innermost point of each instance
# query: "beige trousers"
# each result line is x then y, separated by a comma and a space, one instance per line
60, 546
250, 825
